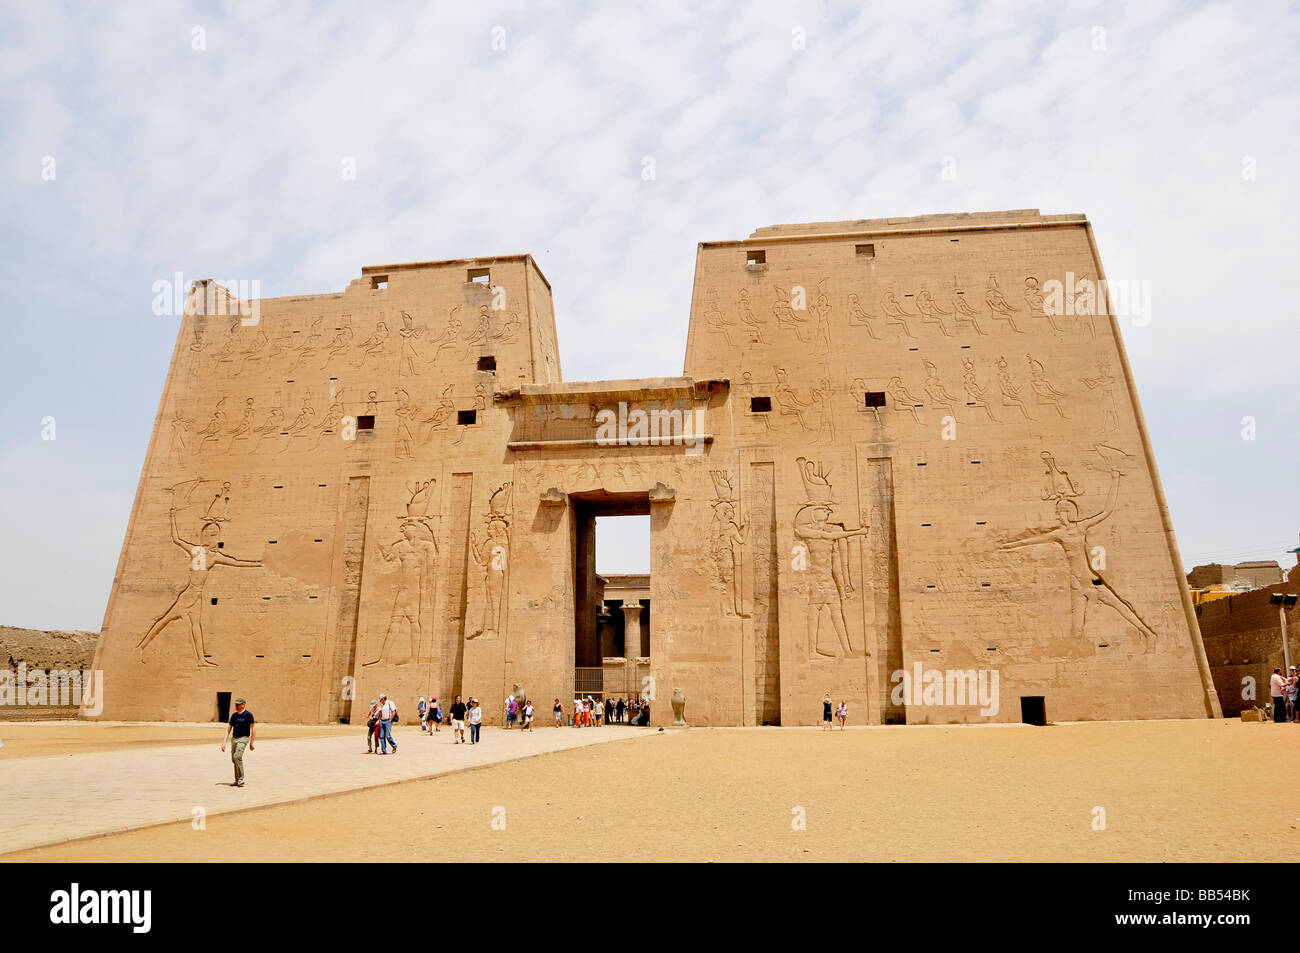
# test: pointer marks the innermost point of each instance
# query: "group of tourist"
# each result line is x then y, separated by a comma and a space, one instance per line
1283, 688
830, 712
589, 712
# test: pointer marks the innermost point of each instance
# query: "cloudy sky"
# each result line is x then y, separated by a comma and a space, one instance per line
142, 139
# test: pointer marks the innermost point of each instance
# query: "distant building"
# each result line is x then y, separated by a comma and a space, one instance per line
1214, 581
1242, 634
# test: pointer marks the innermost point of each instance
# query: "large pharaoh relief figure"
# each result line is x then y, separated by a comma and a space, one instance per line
1090, 583
416, 556
726, 545
204, 554
822, 554
491, 554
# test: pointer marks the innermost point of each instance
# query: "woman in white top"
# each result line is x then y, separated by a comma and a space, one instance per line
843, 713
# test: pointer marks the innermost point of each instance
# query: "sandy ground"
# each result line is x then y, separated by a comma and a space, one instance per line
1170, 791
34, 739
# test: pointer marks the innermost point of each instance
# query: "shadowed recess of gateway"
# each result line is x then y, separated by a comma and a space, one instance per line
896, 464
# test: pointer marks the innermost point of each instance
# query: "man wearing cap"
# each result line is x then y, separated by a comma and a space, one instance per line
243, 729
387, 710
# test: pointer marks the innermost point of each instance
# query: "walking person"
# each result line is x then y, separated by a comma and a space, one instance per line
512, 711
458, 721
577, 713
597, 711
372, 726
609, 711
619, 708
559, 713
528, 716
1292, 685
826, 712
475, 720
423, 709
843, 713
435, 715
242, 730
387, 714
1277, 688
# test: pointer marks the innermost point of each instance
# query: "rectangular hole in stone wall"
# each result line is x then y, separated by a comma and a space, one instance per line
466, 418
875, 398
221, 545
1033, 709
864, 251
755, 258
478, 276
379, 282
366, 422
487, 363
214, 600
760, 405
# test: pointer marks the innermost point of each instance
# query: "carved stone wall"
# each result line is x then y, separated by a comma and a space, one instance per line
899, 447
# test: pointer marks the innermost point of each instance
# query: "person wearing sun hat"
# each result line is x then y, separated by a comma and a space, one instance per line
241, 731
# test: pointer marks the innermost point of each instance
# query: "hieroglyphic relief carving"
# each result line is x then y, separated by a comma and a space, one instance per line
215, 425
786, 317
268, 427
895, 313
1106, 382
448, 336
962, 310
332, 420
1010, 392
859, 317
416, 554
822, 313
405, 412
441, 414
935, 390
374, 344
310, 344
825, 559
1089, 584
931, 313
204, 556
749, 319
1042, 387
1034, 299
818, 402
999, 307
491, 554
177, 443
726, 544
301, 423
715, 320
978, 396
342, 341
243, 427
901, 399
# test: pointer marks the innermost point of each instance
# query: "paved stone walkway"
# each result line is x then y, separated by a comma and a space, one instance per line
46, 800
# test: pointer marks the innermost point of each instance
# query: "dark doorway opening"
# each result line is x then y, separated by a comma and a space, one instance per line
1033, 709
223, 706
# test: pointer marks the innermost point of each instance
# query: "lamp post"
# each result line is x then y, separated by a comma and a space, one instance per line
1283, 601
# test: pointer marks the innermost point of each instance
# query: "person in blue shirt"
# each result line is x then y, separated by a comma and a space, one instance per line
242, 731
